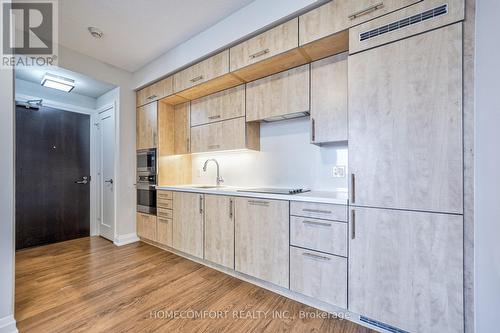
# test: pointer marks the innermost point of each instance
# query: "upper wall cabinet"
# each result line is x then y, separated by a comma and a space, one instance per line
360, 11
155, 91
279, 96
205, 77
146, 127
270, 52
223, 105
326, 26
329, 99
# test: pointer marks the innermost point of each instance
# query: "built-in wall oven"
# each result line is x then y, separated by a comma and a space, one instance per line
146, 181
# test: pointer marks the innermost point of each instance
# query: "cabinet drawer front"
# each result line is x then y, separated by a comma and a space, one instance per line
319, 210
224, 135
319, 275
360, 11
164, 231
164, 203
323, 21
203, 71
165, 213
319, 235
397, 25
279, 94
266, 45
224, 105
164, 195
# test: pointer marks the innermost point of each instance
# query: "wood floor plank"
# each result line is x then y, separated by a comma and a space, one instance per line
90, 285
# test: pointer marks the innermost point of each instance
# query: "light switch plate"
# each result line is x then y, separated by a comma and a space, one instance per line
338, 171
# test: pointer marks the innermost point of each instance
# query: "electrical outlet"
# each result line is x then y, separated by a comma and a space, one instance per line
338, 171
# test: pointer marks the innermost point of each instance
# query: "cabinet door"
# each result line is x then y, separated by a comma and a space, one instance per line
278, 95
203, 71
224, 105
155, 91
364, 10
164, 231
329, 99
188, 223
219, 230
224, 135
323, 21
146, 226
182, 128
406, 269
147, 126
266, 45
405, 123
262, 239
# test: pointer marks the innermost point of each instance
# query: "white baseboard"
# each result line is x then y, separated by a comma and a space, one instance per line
8, 325
126, 239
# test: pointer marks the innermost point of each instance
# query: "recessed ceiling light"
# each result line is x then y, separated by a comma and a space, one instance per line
58, 82
96, 33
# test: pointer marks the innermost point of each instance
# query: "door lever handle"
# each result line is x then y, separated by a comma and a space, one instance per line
109, 181
85, 180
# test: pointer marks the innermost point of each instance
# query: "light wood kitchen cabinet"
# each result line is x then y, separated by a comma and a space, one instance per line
147, 132
329, 100
360, 11
279, 96
188, 223
319, 275
146, 226
406, 269
405, 123
219, 230
155, 91
201, 72
223, 105
182, 129
319, 210
225, 135
262, 239
164, 231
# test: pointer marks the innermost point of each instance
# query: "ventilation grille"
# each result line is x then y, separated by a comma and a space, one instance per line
427, 15
381, 325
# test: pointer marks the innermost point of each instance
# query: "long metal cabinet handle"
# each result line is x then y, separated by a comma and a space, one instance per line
258, 203
201, 204
353, 224
353, 188
313, 130
315, 256
367, 10
258, 54
317, 223
231, 209
151, 97
198, 78
214, 117
319, 211
188, 148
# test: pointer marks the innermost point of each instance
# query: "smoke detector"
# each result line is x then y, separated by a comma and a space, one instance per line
96, 33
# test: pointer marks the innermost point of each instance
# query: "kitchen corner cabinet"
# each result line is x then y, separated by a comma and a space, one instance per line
155, 91
406, 269
188, 220
405, 123
281, 95
146, 226
360, 11
219, 230
146, 127
225, 135
329, 99
262, 239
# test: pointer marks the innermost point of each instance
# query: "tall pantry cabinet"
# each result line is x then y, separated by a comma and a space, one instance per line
406, 187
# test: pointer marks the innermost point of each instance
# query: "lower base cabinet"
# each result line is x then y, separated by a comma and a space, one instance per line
164, 231
406, 269
319, 275
187, 229
146, 226
262, 239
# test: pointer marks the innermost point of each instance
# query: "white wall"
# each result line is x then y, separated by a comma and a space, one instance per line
487, 164
286, 159
36, 90
251, 18
7, 325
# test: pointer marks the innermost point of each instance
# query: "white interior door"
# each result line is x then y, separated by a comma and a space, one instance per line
107, 174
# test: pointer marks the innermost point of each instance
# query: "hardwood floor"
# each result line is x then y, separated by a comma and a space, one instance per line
90, 285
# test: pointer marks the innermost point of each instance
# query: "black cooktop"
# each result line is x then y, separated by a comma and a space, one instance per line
275, 190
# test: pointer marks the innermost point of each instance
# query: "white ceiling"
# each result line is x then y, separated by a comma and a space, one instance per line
137, 32
84, 85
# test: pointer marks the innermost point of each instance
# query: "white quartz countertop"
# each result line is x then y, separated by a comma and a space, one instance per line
329, 197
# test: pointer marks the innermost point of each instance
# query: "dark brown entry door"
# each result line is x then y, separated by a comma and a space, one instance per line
52, 154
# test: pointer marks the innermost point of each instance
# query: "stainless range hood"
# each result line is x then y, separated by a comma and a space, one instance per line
286, 116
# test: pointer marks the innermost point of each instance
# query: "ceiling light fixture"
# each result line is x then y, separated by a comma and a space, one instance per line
96, 33
58, 82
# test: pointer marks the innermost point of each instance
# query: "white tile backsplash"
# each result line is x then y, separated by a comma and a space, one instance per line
286, 159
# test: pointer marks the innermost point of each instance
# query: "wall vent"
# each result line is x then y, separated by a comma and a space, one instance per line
408, 21
381, 325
